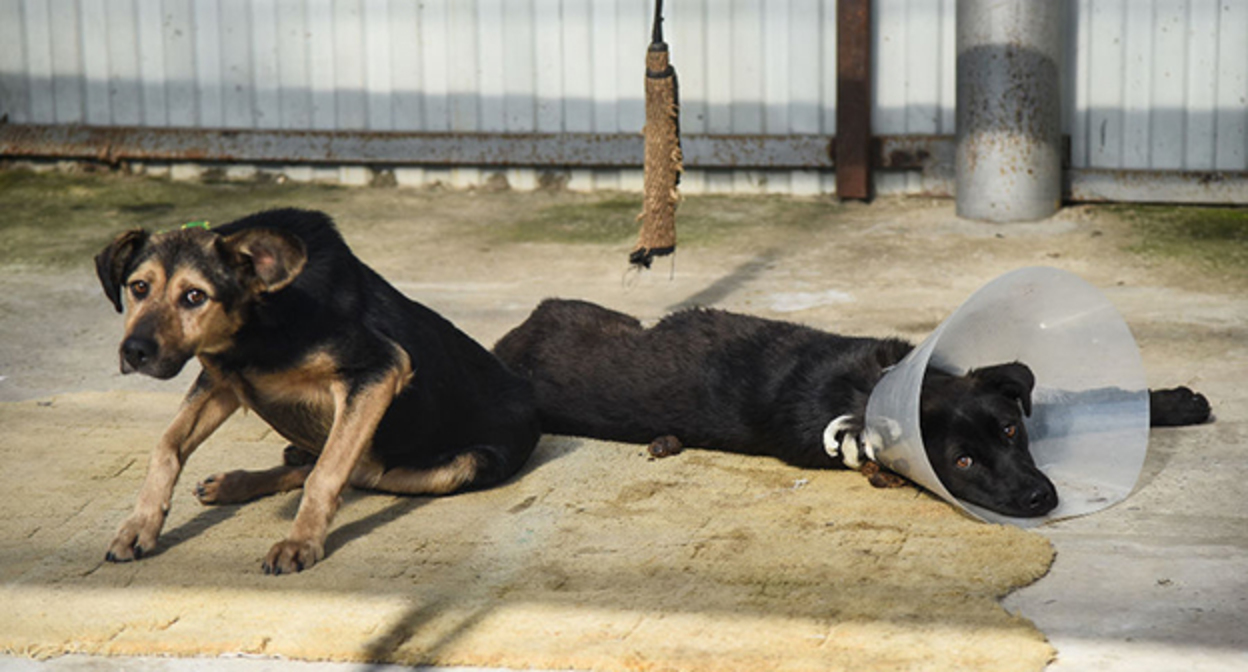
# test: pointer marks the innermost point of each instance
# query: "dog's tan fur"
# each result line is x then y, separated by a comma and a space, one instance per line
201, 414
204, 331
356, 416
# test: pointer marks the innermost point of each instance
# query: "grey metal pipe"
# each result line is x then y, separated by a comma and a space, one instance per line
1008, 162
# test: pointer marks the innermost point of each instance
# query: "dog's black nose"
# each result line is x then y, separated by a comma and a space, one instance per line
135, 352
1041, 500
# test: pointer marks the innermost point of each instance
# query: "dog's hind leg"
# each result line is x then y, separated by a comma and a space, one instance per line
443, 480
471, 468
479, 466
236, 487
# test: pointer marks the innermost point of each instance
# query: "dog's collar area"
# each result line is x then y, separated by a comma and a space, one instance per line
854, 449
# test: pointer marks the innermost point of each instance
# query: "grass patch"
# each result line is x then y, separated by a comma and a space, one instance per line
62, 220
612, 219
700, 220
58, 219
1213, 238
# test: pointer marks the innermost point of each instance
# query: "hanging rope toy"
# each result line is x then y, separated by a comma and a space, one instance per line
663, 157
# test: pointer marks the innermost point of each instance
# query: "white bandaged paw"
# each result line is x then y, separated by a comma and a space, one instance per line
840, 442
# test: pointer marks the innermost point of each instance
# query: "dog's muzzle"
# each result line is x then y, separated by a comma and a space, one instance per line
1039, 500
136, 353
142, 355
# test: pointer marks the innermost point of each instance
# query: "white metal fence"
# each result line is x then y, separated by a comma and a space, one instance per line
1149, 83
1160, 84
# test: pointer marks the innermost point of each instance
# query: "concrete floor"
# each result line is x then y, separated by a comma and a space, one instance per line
1159, 582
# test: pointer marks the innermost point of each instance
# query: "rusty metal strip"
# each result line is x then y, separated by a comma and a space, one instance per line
913, 152
1099, 185
853, 99
620, 150
932, 155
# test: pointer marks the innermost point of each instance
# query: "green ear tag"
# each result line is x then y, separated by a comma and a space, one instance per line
203, 224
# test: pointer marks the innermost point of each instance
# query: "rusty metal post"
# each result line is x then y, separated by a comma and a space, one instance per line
853, 99
1009, 152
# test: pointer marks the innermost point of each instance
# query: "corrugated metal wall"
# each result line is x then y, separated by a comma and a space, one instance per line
746, 66
1160, 84
915, 62
1150, 83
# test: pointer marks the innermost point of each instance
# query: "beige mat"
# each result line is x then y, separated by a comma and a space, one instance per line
595, 559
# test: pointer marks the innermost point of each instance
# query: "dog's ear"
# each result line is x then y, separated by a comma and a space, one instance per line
1014, 380
275, 258
112, 262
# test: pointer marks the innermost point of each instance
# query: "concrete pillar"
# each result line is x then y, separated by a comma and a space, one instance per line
1009, 161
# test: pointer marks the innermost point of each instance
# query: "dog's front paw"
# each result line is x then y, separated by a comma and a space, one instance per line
1177, 406
136, 538
843, 439
291, 555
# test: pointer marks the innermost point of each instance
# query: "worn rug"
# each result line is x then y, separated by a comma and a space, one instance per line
595, 558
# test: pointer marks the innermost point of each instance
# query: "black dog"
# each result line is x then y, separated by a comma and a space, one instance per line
743, 384
370, 388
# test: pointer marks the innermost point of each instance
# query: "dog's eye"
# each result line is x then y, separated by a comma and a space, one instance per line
964, 462
1010, 431
139, 288
194, 297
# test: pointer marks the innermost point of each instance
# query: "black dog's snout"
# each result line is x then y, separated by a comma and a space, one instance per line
1041, 500
137, 351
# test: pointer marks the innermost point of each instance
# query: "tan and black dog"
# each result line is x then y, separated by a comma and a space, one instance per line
370, 388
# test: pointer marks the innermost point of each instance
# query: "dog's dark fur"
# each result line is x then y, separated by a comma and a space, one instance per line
371, 388
731, 382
